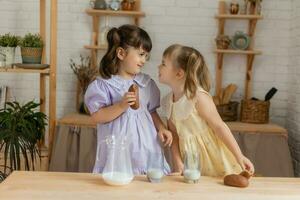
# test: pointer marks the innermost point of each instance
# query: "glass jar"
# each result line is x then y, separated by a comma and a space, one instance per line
118, 167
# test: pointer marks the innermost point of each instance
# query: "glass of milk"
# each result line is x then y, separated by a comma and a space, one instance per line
191, 171
155, 166
118, 167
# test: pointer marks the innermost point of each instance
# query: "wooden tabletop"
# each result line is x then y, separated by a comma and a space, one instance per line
64, 186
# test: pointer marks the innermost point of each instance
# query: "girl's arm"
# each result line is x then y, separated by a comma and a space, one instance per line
109, 113
176, 158
207, 110
164, 135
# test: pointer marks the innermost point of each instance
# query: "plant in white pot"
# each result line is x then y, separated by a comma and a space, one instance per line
31, 48
8, 44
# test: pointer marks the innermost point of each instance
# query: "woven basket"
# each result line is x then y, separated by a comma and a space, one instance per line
255, 111
222, 42
228, 112
31, 55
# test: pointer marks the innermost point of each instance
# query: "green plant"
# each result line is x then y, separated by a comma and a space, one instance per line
9, 40
21, 128
31, 40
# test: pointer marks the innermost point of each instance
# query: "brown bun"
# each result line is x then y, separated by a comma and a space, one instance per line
236, 180
134, 88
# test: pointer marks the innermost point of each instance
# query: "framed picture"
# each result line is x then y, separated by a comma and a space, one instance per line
3, 92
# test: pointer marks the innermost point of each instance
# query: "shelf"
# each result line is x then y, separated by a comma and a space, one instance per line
21, 70
238, 17
94, 12
232, 51
256, 128
101, 47
77, 119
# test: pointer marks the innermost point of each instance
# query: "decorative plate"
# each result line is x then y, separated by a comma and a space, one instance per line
240, 41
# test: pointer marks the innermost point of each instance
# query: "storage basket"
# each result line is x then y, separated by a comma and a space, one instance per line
255, 111
228, 112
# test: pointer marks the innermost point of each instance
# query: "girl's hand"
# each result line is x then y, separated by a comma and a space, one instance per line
246, 164
128, 99
165, 137
178, 167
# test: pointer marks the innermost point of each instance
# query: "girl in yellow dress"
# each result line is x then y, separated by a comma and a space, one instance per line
193, 118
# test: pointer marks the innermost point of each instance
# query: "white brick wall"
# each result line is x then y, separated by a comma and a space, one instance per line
293, 111
189, 22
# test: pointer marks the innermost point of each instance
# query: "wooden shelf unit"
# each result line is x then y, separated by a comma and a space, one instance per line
250, 53
43, 73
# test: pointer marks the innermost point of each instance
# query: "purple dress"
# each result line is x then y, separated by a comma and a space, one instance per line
138, 123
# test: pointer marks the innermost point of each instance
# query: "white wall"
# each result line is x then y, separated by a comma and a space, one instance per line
189, 22
293, 117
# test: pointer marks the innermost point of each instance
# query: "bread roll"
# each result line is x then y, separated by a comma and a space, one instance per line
134, 88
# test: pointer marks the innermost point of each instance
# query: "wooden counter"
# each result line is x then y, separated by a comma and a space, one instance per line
64, 186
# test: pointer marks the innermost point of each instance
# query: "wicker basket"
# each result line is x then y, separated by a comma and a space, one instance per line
222, 42
255, 111
228, 112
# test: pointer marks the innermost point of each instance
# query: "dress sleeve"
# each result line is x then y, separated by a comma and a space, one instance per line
96, 96
154, 97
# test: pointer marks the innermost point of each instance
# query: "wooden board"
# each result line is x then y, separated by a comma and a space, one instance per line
50, 185
77, 119
115, 13
238, 17
256, 128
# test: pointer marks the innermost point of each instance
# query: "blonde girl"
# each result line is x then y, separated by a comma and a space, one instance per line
193, 118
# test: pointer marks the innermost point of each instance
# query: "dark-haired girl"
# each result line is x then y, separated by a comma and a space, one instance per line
109, 101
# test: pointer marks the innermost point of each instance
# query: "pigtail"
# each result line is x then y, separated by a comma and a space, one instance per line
203, 75
108, 64
190, 86
197, 74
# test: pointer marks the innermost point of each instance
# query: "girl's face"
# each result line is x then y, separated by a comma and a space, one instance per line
132, 60
167, 73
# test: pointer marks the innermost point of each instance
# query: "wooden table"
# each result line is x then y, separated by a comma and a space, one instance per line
53, 185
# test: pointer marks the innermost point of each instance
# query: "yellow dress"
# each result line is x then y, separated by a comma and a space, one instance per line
195, 136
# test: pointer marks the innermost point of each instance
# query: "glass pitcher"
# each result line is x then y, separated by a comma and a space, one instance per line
118, 167
191, 171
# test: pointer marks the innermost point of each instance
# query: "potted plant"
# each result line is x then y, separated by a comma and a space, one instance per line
31, 48
8, 44
85, 75
21, 128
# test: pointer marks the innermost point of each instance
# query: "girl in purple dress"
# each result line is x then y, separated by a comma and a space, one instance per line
108, 99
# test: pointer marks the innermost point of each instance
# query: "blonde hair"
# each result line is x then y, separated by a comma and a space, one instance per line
193, 64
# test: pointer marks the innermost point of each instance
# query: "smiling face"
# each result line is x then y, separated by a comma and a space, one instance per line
132, 60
